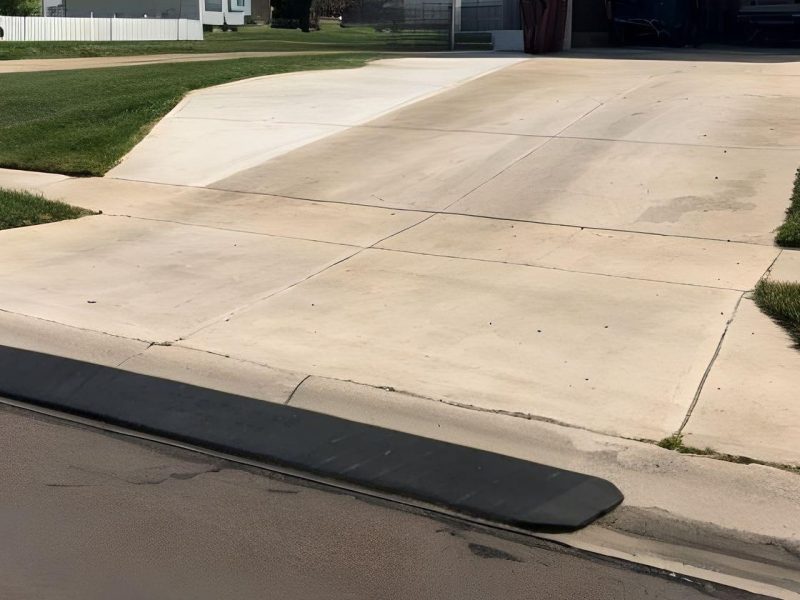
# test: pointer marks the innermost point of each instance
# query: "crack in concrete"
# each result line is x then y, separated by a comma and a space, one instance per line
771, 265
174, 476
710, 365
481, 409
137, 355
297, 387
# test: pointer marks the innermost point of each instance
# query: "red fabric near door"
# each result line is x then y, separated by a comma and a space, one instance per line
543, 23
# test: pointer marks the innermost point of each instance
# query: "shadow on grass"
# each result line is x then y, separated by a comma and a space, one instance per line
788, 234
781, 301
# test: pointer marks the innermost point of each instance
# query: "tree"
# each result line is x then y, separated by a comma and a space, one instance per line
20, 8
305, 14
330, 8
291, 14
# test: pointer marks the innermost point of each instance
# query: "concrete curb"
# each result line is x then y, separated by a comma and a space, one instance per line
672, 517
730, 523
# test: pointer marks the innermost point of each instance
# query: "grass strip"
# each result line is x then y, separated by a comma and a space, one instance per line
781, 301
257, 38
789, 233
21, 209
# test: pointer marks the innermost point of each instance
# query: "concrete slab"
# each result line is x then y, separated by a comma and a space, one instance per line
294, 98
216, 132
638, 256
729, 194
215, 372
254, 213
659, 101
612, 355
411, 169
167, 362
703, 105
749, 404
775, 61
48, 337
188, 151
144, 279
787, 267
541, 96
12, 179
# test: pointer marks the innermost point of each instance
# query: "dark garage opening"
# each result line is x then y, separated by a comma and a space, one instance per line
685, 22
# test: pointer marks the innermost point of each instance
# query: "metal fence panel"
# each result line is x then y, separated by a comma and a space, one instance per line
408, 23
481, 16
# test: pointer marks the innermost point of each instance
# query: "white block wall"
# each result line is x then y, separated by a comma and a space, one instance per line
51, 29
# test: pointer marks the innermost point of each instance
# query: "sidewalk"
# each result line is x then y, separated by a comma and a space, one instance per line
544, 262
29, 65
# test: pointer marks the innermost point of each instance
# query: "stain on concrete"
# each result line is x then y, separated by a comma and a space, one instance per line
675, 210
488, 552
163, 473
734, 197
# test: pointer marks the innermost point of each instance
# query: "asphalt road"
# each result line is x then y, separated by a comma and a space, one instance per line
86, 514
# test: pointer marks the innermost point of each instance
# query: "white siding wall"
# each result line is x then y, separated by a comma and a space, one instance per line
50, 29
217, 12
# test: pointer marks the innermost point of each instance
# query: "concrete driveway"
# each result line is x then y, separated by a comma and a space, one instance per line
568, 241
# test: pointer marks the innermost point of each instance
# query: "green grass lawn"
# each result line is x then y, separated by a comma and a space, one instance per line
82, 122
256, 38
789, 233
20, 209
781, 301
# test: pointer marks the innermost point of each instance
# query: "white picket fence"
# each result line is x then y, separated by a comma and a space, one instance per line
51, 29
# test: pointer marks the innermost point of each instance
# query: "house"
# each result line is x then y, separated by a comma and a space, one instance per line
211, 12
225, 12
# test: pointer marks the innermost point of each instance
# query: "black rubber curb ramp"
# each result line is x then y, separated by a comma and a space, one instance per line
473, 482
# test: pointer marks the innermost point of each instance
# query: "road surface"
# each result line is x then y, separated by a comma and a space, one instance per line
91, 515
